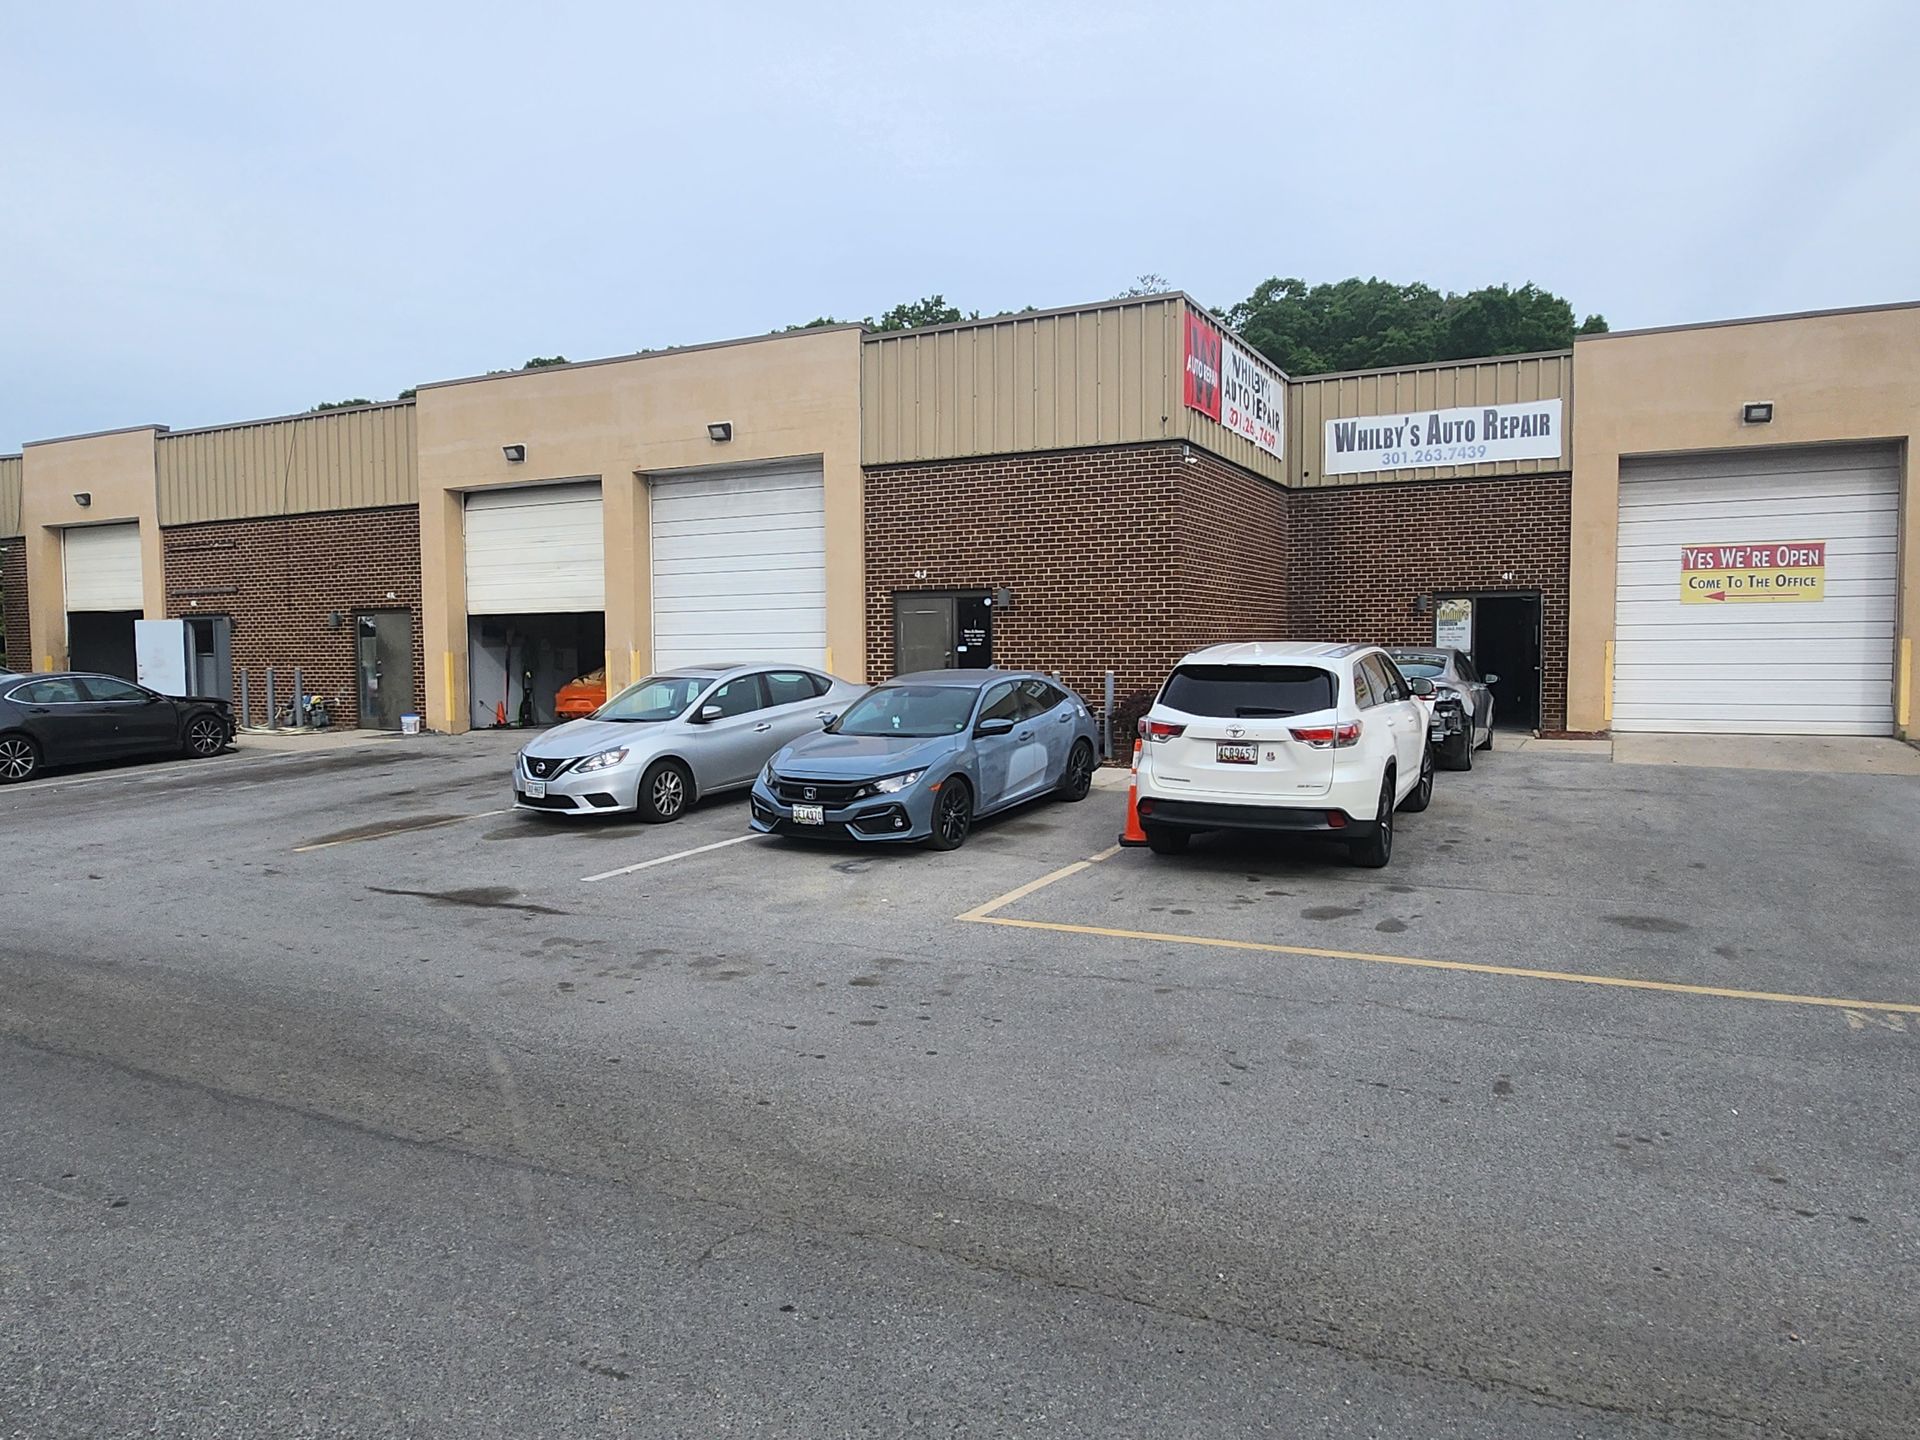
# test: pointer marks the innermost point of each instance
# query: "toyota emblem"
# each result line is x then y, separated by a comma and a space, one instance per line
1236, 731
810, 793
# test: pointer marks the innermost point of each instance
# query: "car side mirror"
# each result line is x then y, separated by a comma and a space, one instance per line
1489, 679
993, 727
826, 721
708, 714
1420, 686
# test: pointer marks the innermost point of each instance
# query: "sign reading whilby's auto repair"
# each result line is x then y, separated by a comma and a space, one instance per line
1743, 574
1464, 435
1225, 382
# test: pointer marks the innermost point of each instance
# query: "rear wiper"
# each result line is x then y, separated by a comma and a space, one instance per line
1247, 712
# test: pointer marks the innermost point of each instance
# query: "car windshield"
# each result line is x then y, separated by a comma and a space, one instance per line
1249, 691
658, 697
918, 710
1419, 664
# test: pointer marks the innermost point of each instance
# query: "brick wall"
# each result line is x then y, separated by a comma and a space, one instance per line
17, 650
1362, 553
1120, 558
1234, 546
281, 580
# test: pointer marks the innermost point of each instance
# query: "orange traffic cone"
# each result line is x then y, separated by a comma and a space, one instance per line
1133, 834
500, 714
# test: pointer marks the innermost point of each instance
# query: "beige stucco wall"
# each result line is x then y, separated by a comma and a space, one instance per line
787, 396
117, 468
1833, 377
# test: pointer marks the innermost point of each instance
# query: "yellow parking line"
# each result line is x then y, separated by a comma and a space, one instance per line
984, 915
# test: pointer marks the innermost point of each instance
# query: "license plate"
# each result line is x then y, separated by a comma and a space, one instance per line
809, 814
1237, 754
536, 789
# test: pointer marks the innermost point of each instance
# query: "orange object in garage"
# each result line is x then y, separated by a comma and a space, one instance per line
580, 698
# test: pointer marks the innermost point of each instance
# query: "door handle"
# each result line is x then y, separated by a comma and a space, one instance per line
764, 725
1024, 735
1066, 719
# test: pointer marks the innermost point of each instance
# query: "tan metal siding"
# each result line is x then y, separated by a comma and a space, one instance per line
345, 460
1499, 381
1108, 375
11, 471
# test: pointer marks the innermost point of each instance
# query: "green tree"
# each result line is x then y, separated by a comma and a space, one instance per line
1151, 283
339, 404
909, 315
541, 362
1365, 324
407, 394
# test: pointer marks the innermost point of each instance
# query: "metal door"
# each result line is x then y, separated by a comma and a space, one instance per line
386, 668
922, 633
210, 656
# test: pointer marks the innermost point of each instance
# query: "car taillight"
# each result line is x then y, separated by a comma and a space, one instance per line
1159, 731
1329, 737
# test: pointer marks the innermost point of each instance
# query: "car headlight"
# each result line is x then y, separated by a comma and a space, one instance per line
604, 760
766, 775
894, 784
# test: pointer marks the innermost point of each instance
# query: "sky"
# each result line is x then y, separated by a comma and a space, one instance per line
212, 213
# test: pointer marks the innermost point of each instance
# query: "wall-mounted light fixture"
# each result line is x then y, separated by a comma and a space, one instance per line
1002, 599
514, 453
1757, 412
83, 498
720, 431
1423, 604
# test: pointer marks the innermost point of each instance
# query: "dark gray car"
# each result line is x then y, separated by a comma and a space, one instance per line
1461, 705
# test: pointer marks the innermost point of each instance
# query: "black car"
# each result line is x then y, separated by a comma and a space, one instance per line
71, 718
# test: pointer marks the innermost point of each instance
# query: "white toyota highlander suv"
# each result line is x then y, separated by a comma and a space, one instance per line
1325, 739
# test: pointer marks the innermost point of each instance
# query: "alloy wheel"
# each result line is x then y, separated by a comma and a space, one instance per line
1386, 816
206, 736
17, 758
669, 794
954, 817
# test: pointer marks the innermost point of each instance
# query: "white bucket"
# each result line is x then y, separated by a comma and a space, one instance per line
409, 724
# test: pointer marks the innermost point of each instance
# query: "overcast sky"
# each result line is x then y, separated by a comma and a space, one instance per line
213, 213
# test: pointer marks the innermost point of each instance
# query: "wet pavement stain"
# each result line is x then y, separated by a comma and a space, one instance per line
1328, 912
397, 825
480, 897
1391, 927
1648, 924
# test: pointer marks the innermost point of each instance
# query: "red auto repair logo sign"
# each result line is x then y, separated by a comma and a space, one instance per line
1203, 366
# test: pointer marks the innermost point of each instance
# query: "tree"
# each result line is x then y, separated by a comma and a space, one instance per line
1367, 324
909, 315
339, 404
1151, 283
407, 394
541, 362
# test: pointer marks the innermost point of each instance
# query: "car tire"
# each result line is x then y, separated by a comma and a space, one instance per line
1376, 850
1421, 795
1077, 783
952, 815
1162, 841
1487, 744
19, 759
1458, 754
204, 736
666, 789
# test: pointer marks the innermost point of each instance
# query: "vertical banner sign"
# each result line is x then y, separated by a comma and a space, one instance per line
1203, 366
1744, 574
1251, 400
1225, 382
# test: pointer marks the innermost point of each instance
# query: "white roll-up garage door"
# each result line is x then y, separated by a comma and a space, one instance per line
102, 564
739, 566
535, 550
1794, 647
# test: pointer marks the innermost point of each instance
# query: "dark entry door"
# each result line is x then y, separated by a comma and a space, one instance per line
386, 668
102, 641
1506, 643
210, 656
923, 637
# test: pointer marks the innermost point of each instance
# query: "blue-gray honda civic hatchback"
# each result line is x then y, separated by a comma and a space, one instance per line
919, 757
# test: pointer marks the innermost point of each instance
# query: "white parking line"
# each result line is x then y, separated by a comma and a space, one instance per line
665, 859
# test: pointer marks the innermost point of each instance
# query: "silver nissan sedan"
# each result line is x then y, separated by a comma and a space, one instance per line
664, 742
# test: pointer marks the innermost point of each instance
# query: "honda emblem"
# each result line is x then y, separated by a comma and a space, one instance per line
810, 793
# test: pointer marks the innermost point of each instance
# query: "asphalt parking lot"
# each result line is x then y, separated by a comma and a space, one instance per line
345, 1100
